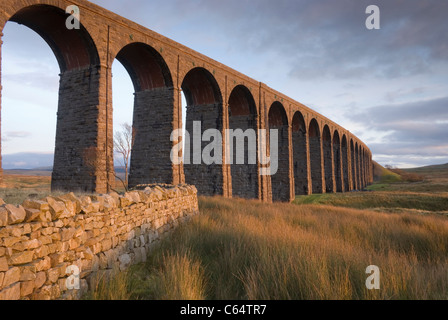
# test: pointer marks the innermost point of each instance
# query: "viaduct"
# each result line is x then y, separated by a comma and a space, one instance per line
315, 154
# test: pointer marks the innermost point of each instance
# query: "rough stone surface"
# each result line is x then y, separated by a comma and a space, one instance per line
16, 214
34, 256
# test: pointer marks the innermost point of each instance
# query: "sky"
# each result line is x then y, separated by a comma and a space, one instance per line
389, 86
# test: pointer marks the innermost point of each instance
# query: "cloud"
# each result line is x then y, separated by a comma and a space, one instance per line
416, 128
317, 39
388, 115
17, 134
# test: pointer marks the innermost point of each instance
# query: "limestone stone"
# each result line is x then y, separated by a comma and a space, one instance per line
31, 214
41, 252
10, 293
43, 264
67, 233
11, 276
3, 264
21, 258
41, 278
26, 288
3, 216
32, 244
28, 273
75, 200
53, 275
44, 216
36, 204
56, 207
16, 214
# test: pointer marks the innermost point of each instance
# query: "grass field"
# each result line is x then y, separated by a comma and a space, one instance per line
239, 249
315, 248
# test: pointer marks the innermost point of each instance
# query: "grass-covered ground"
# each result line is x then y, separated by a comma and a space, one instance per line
318, 247
315, 248
239, 249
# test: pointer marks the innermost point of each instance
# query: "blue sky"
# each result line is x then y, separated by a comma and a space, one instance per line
387, 86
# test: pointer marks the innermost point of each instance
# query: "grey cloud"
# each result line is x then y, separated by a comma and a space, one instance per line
402, 148
419, 128
318, 39
427, 110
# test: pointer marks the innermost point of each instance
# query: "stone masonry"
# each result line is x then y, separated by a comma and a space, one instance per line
161, 69
99, 234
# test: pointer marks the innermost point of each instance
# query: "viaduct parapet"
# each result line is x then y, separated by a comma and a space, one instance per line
315, 154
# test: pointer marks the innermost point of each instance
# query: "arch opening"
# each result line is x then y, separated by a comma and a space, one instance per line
153, 115
338, 174
74, 168
353, 165
358, 167
74, 49
328, 160
243, 120
345, 171
280, 181
204, 111
300, 152
315, 144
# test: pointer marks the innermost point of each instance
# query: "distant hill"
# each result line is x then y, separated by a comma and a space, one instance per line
27, 160
437, 167
34, 161
384, 175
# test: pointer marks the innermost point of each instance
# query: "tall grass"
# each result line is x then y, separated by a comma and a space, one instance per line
239, 249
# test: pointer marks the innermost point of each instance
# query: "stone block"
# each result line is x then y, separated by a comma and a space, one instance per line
21, 258
41, 278
3, 264
10, 293
32, 214
11, 276
3, 217
26, 288
16, 214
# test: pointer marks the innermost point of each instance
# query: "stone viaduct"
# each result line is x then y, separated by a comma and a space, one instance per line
315, 154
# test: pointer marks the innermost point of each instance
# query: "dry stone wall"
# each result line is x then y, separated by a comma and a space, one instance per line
98, 234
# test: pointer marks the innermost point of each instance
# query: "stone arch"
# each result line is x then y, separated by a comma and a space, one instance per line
315, 143
337, 162
300, 154
280, 181
204, 108
153, 114
328, 159
243, 120
74, 49
345, 168
79, 152
146, 67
